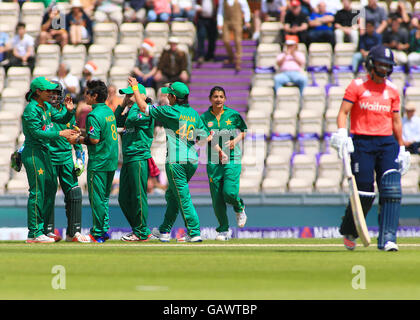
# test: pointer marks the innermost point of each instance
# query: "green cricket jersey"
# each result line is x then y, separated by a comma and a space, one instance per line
101, 124
224, 130
61, 149
37, 123
137, 136
182, 126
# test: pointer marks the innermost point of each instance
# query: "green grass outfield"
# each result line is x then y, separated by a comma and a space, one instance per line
235, 270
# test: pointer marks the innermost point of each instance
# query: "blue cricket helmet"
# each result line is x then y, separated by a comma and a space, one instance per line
382, 54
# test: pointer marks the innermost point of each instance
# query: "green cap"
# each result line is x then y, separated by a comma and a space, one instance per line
42, 83
178, 89
129, 90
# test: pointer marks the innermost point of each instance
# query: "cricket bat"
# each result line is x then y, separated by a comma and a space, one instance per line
356, 206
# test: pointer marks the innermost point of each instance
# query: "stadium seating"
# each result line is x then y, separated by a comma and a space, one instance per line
125, 55
17, 186
131, 33
184, 31
159, 33
2, 78
12, 100
267, 54
284, 122
300, 185
9, 13
105, 33
48, 55
44, 72
412, 94
270, 32
102, 55
32, 13
10, 125
320, 54
75, 57
19, 78
343, 54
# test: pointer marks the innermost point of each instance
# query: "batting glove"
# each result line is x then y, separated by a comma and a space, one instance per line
403, 160
16, 159
79, 166
339, 140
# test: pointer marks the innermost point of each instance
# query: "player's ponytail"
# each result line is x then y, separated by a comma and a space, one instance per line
30, 95
181, 101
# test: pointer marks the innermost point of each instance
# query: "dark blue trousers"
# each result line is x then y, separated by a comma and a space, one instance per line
372, 155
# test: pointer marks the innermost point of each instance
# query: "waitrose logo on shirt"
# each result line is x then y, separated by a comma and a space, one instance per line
374, 107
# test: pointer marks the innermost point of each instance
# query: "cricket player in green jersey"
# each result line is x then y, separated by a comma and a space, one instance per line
137, 138
183, 126
224, 124
37, 124
67, 173
102, 143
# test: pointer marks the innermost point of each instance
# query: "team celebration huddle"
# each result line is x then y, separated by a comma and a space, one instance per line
374, 148
51, 132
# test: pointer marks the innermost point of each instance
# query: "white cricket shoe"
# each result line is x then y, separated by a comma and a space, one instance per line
349, 242
187, 238
241, 218
129, 237
78, 237
390, 246
163, 237
56, 237
40, 239
222, 236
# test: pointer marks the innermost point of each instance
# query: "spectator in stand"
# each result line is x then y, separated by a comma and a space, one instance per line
402, 15
23, 52
113, 101
159, 10
172, 65
414, 55
78, 24
306, 7
271, 10
4, 48
83, 108
291, 64
321, 25
108, 11
51, 30
411, 129
374, 13
230, 17
206, 23
135, 11
69, 81
89, 7
396, 38
296, 21
146, 64
343, 22
88, 74
183, 9
367, 41
332, 6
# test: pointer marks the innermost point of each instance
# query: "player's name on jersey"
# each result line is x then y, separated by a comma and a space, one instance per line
110, 118
186, 118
